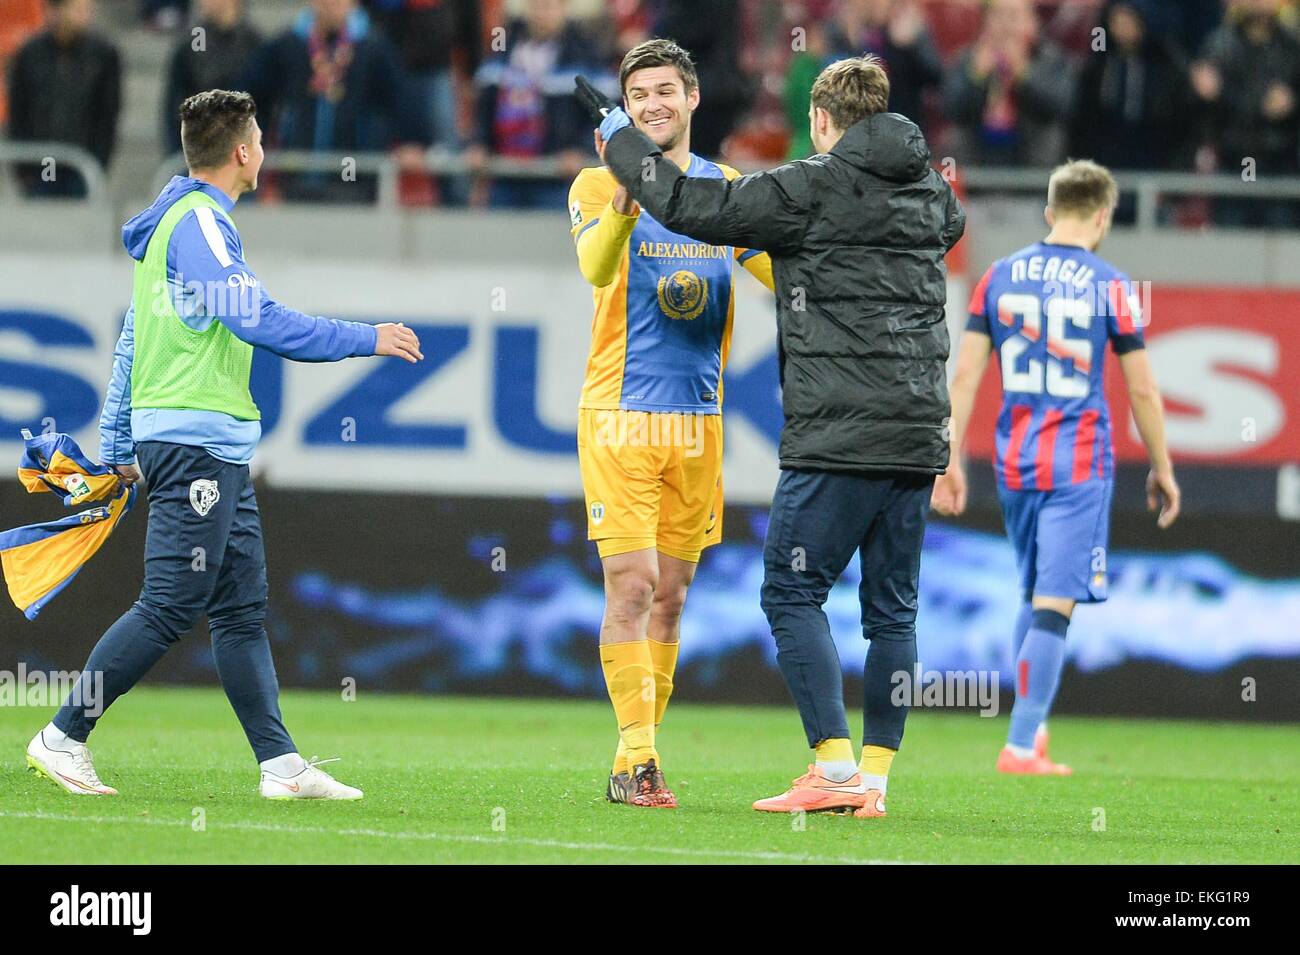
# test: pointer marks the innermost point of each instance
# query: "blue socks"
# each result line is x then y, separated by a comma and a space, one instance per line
1038, 673
1023, 619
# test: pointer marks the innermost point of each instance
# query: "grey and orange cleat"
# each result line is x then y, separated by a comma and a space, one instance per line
619, 789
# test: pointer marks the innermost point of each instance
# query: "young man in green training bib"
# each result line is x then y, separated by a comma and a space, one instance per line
179, 403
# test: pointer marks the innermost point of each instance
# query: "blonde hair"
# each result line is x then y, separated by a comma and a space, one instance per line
1080, 187
851, 90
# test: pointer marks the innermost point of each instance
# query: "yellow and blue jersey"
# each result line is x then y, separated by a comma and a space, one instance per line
40, 560
663, 302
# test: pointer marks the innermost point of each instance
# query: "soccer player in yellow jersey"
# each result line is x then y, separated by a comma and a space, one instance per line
650, 425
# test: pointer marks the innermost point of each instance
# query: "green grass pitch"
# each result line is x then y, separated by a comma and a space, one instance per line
494, 780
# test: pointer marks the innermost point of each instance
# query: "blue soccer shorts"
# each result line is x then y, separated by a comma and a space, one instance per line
1060, 537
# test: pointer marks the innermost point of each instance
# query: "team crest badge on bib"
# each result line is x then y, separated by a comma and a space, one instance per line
204, 496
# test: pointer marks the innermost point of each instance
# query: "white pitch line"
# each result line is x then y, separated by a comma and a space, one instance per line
457, 837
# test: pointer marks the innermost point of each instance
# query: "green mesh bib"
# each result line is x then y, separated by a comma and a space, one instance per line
174, 365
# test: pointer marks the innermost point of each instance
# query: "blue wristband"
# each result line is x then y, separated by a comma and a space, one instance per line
614, 120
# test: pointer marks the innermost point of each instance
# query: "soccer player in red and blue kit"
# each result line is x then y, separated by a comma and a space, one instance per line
1050, 310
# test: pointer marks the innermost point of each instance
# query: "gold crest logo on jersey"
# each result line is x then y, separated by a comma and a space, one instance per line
683, 295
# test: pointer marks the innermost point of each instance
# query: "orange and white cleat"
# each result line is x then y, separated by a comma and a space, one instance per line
873, 806
649, 788
814, 792
1009, 762
1040, 741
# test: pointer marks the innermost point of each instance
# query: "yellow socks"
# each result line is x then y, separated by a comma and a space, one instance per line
835, 759
663, 658
630, 678
875, 764
621, 765
834, 751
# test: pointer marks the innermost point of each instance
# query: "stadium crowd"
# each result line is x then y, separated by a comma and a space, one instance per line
1193, 85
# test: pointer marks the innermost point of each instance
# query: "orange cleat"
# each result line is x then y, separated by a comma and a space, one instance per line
813, 792
1040, 741
873, 806
1009, 762
649, 789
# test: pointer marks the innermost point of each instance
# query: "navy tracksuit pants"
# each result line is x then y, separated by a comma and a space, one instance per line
203, 554
819, 520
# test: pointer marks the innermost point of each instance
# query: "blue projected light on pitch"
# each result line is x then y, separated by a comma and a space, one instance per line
1193, 611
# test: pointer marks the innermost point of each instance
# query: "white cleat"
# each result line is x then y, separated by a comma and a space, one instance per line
70, 766
309, 783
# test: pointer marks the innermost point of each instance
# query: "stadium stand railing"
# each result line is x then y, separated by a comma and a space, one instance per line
1149, 188
40, 154
382, 166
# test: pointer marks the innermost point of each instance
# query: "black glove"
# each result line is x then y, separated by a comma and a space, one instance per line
593, 100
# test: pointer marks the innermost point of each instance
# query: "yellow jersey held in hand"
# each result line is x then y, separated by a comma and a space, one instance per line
39, 560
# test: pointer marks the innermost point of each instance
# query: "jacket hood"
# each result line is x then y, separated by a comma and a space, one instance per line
139, 229
888, 145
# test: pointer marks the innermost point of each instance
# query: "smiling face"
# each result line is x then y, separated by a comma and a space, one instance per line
657, 101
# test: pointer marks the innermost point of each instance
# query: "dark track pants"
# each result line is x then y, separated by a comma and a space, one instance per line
203, 554
819, 519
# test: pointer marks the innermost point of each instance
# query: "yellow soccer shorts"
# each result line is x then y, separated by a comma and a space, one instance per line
651, 479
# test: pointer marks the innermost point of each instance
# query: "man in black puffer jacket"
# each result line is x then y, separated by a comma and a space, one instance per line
857, 236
